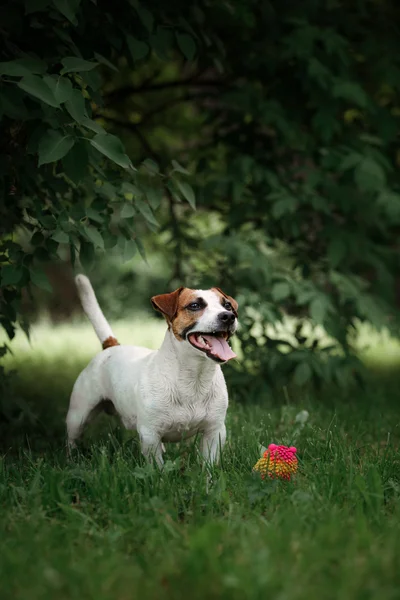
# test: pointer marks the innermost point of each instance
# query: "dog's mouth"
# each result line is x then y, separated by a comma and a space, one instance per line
214, 345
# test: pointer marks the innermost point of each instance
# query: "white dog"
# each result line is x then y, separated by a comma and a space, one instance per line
168, 394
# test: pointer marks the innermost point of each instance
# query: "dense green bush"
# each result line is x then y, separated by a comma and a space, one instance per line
286, 114
67, 187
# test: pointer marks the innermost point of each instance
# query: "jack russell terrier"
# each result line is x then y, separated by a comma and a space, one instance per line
168, 394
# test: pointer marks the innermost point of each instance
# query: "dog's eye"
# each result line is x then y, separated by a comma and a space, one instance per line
228, 306
194, 306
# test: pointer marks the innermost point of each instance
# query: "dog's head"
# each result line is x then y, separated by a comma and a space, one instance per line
204, 319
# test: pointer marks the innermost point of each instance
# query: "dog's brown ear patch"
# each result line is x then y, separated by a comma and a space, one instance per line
167, 304
235, 305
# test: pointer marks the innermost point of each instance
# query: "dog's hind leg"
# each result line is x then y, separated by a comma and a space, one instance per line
82, 406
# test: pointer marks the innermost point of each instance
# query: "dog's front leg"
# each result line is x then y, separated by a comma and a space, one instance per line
151, 445
212, 443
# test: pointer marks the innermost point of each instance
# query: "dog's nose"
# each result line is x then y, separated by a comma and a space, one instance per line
226, 317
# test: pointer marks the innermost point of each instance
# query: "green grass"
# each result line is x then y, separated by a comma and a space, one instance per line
106, 526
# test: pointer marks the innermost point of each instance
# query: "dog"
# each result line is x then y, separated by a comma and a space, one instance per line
169, 394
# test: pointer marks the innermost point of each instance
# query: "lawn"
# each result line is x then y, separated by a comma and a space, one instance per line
108, 527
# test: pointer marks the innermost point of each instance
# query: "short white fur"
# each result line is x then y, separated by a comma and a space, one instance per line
166, 395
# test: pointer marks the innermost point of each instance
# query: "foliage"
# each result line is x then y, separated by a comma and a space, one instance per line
68, 187
298, 108
288, 116
306, 136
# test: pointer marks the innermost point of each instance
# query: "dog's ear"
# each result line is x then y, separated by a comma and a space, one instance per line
235, 305
167, 304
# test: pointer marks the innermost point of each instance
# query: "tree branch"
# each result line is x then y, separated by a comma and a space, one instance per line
125, 92
135, 129
177, 236
173, 102
149, 115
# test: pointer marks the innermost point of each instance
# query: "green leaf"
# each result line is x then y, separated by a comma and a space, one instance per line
39, 278
10, 275
105, 62
38, 88
141, 249
319, 72
130, 249
95, 237
146, 211
76, 161
111, 146
302, 373
390, 202
62, 90
304, 295
60, 236
73, 64
48, 221
87, 255
336, 251
68, 8
154, 196
280, 291
129, 188
93, 80
151, 166
285, 205
179, 168
371, 309
187, 193
23, 66
110, 240
369, 175
319, 308
108, 191
76, 106
138, 50
94, 215
350, 161
325, 123
53, 146
350, 91
145, 16
127, 211
187, 45
92, 125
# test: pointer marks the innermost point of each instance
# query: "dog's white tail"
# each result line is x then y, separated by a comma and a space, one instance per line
94, 312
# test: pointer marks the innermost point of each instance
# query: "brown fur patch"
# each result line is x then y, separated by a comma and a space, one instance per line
235, 305
110, 341
185, 318
167, 304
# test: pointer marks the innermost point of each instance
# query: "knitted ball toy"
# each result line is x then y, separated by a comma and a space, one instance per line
278, 462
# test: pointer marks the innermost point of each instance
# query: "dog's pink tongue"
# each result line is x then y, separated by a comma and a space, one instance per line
220, 347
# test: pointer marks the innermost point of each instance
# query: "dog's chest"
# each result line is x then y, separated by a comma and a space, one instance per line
185, 404
183, 420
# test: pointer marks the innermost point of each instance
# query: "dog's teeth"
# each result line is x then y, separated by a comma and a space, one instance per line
204, 341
